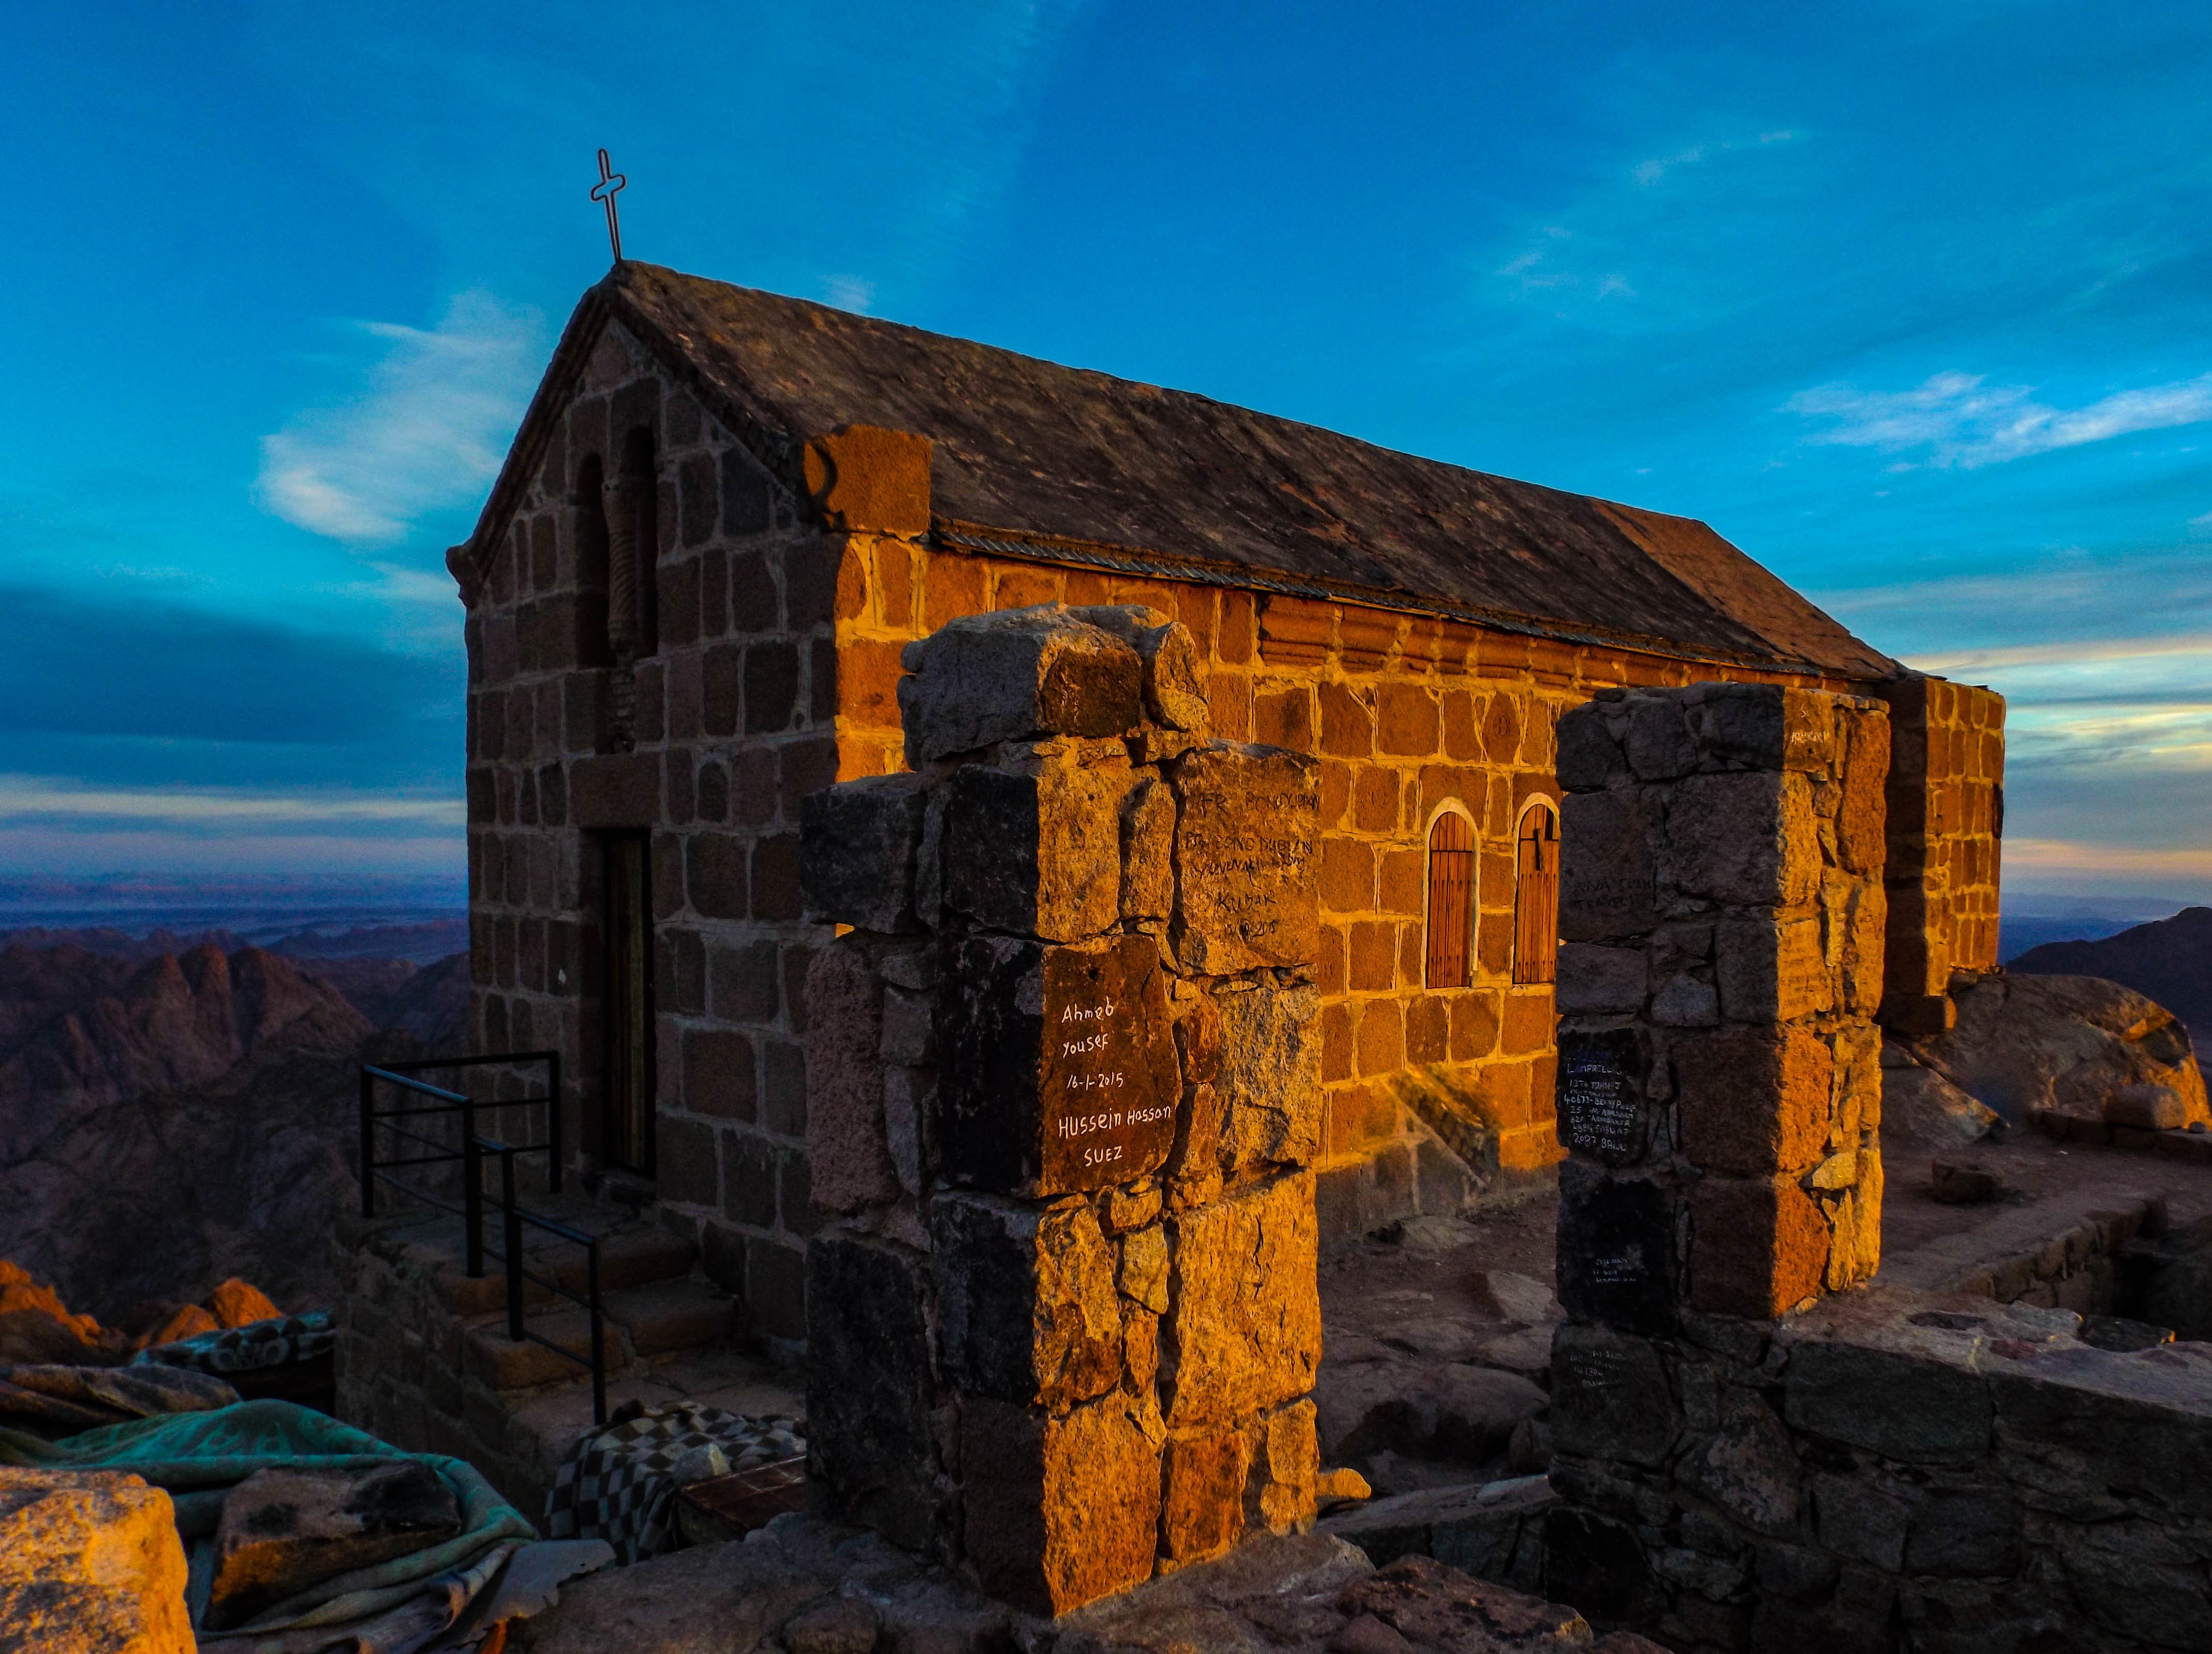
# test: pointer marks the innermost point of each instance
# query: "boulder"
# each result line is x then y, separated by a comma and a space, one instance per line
283, 1532
187, 1321
1958, 1185
1921, 1110
1515, 1297
89, 1563
237, 1303
2064, 1045
727, 1597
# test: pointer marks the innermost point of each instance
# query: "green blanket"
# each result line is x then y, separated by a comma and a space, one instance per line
393, 1607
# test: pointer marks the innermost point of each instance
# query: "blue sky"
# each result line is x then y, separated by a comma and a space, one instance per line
1911, 302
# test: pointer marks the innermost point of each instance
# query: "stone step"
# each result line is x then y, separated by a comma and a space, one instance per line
506, 1364
668, 1316
636, 1258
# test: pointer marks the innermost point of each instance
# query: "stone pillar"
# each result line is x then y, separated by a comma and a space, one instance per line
1946, 799
1720, 1075
1063, 1095
1720, 1092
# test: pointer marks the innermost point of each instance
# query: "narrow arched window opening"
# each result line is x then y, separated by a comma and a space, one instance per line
630, 494
1451, 900
591, 622
1537, 896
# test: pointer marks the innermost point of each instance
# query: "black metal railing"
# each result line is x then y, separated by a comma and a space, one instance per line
401, 1074
513, 1217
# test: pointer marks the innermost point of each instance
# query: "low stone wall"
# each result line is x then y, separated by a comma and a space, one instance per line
1881, 1473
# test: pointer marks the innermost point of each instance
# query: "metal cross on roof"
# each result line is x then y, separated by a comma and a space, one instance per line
604, 192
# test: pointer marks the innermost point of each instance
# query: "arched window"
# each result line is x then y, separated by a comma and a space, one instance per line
591, 641
1536, 895
630, 497
1451, 900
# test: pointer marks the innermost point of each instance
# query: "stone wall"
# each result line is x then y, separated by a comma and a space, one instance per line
1946, 829
1720, 903
1883, 1474
1752, 1449
1066, 1096
1406, 715
725, 728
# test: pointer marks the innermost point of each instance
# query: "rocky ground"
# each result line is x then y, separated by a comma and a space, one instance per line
1437, 1362
803, 1586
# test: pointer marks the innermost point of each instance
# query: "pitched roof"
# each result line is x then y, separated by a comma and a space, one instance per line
1069, 465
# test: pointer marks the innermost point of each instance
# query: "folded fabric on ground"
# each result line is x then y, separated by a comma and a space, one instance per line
393, 1607
58, 1401
619, 1484
272, 1343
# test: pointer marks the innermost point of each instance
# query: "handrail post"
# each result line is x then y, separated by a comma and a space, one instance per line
512, 1237
472, 1204
368, 1144
553, 1117
599, 1350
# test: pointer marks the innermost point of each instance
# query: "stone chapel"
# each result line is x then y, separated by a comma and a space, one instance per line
725, 515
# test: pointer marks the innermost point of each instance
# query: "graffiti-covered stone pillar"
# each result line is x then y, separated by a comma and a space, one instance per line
1720, 1092
1064, 1091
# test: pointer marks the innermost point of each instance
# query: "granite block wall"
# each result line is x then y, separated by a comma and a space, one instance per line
706, 743
1721, 903
1945, 834
1063, 1319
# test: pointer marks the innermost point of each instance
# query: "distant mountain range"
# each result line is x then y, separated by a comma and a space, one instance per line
169, 1120
421, 943
2170, 960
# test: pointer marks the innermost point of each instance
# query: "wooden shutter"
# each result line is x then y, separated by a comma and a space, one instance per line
1536, 897
1451, 900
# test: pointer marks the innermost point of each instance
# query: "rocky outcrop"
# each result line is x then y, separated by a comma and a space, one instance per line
2079, 1047
429, 1003
80, 1029
166, 1124
89, 1563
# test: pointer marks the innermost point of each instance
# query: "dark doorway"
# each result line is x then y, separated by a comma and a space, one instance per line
626, 1129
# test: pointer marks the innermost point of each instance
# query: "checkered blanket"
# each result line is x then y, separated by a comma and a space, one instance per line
618, 1484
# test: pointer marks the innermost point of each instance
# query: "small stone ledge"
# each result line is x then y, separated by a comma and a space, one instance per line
1492, 1530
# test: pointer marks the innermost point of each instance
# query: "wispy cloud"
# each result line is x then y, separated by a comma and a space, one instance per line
45, 799
1961, 420
1637, 249
428, 431
852, 293
1651, 172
